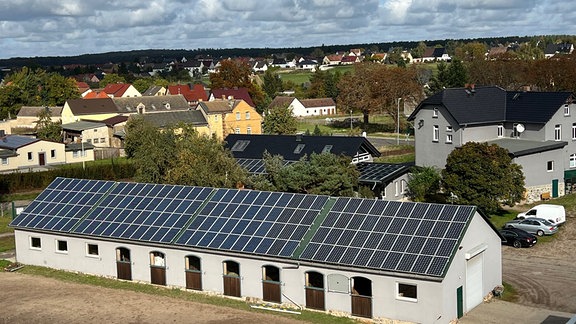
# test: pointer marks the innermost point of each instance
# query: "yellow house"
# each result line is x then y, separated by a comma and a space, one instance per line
231, 116
93, 109
28, 154
194, 118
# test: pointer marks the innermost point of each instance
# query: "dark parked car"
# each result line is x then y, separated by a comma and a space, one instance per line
518, 238
533, 225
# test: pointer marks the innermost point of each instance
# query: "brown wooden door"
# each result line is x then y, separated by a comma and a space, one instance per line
315, 298
41, 159
232, 286
158, 275
124, 270
362, 306
193, 280
271, 291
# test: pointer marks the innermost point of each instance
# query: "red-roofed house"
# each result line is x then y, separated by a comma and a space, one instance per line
83, 87
121, 90
235, 93
95, 94
349, 60
193, 94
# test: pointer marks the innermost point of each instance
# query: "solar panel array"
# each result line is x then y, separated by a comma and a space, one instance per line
266, 223
256, 166
144, 212
62, 204
376, 172
389, 235
397, 236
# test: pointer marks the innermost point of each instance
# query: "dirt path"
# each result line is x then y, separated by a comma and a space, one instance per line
54, 301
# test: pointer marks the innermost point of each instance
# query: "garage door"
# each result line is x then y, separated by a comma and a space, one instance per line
474, 275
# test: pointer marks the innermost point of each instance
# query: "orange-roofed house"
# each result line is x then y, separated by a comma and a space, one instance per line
121, 90
95, 94
193, 94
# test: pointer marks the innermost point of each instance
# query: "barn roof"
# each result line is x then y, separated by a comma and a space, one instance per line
416, 239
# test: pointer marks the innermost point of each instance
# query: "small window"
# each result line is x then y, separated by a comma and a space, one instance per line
53, 154
102, 140
435, 133
92, 249
573, 160
435, 113
237, 115
550, 166
449, 138
396, 189
299, 148
4, 161
35, 243
75, 154
566, 110
95, 130
89, 141
29, 156
61, 246
557, 132
407, 291
237, 131
248, 130
500, 130
95, 141
448, 129
215, 117
247, 115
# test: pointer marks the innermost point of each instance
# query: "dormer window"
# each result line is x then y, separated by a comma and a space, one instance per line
327, 149
566, 110
435, 113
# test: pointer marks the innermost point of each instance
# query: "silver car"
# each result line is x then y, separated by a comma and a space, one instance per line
538, 226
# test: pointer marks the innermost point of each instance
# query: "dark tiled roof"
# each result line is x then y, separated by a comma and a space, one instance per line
236, 93
280, 101
485, 105
115, 120
152, 103
286, 145
520, 147
78, 146
13, 142
29, 111
164, 119
318, 102
217, 106
82, 125
4, 153
152, 91
92, 106
381, 172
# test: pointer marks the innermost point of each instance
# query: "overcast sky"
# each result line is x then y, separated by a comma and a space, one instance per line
70, 27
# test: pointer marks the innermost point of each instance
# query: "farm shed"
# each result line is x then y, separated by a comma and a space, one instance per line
377, 259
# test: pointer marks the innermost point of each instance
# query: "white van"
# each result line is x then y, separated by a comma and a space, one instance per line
553, 213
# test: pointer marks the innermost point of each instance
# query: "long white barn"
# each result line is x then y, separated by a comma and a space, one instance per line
417, 262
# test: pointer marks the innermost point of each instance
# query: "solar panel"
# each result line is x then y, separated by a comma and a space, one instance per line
389, 235
62, 204
274, 227
138, 211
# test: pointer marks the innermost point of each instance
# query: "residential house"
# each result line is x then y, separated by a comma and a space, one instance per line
230, 116
192, 93
283, 63
260, 66
333, 59
376, 259
83, 88
306, 107
95, 94
94, 109
155, 91
91, 132
234, 93
23, 153
379, 57
151, 104
309, 65
79, 152
355, 52
347, 60
386, 180
435, 54
537, 128
116, 132
562, 48
194, 68
121, 90
28, 116
194, 118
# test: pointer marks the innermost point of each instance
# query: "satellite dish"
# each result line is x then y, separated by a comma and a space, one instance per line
520, 128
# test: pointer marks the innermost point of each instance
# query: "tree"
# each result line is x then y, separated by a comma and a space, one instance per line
449, 76
57, 89
483, 175
46, 129
423, 182
235, 73
321, 174
272, 84
203, 161
279, 120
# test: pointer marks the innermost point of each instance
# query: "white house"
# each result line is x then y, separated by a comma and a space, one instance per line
378, 259
306, 107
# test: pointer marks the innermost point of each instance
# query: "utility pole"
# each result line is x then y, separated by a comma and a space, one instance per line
398, 122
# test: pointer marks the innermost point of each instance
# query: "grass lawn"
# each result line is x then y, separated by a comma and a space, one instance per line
4, 221
7, 243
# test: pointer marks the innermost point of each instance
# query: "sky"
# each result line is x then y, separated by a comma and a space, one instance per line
30, 28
